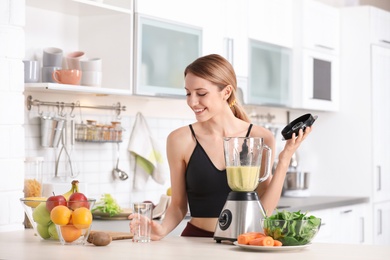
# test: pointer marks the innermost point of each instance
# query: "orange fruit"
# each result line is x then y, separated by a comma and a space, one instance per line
70, 233
82, 218
60, 215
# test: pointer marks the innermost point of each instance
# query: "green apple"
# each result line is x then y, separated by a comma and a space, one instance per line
41, 215
43, 231
53, 231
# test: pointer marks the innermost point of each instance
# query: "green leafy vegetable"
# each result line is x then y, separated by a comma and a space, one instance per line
107, 204
291, 228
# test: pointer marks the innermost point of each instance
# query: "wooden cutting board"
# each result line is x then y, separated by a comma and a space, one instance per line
116, 235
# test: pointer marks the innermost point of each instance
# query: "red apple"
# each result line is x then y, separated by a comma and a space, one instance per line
78, 200
54, 201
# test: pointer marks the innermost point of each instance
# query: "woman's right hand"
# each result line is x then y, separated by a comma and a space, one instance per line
157, 229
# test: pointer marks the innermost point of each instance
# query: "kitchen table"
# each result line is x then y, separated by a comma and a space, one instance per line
24, 245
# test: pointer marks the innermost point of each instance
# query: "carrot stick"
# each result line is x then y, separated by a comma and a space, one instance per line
244, 238
277, 243
262, 241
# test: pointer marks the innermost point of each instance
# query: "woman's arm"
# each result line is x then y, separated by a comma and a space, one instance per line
176, 148
271, 190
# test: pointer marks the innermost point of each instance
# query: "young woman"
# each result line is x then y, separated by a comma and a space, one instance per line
195, 152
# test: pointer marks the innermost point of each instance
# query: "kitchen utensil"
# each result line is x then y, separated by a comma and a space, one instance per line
243, 211
296, 184
300, 123
118, 172
51, 131
68, 158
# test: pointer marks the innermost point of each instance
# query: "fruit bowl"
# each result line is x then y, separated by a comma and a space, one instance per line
292, 232
40, 217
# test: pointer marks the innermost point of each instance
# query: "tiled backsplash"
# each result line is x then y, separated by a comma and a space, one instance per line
93, 162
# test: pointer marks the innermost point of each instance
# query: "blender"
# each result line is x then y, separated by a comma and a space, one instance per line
243, 211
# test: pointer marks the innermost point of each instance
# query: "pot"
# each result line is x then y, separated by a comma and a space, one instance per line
296, 180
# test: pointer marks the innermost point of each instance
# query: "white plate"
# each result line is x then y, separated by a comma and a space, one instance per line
272, 248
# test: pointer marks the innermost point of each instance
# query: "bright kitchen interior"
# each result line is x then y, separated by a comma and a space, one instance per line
334, 62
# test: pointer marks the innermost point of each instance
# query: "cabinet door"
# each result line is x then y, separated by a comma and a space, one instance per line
320, 27
269, 74
163, 49
382, 223
380, 24
350, 224
271, 21
381, 121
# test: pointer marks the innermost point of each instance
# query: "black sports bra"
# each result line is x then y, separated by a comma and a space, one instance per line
207, 187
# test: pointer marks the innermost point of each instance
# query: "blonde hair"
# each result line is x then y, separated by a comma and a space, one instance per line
219, 71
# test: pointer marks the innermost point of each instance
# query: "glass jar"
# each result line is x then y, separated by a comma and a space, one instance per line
91, 130
118, 131
81, 132
99, 133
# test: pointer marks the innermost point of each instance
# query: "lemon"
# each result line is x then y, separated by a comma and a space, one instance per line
33, 202
169, 191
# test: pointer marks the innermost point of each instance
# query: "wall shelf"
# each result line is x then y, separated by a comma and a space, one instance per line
64, 88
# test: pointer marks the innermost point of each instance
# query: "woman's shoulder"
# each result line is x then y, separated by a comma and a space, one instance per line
263, 132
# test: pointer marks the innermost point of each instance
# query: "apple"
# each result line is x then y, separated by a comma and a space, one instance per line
41, 215
78, 200
53, 201
43, 231
52, 229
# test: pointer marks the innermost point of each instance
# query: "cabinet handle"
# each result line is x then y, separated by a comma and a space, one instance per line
346, 211
229, 50
385, 41
379, 184
324, 47
379, 222
362, 230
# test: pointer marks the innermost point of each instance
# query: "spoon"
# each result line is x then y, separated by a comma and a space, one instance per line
116, 171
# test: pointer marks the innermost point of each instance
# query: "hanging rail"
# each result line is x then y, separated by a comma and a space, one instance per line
61, 105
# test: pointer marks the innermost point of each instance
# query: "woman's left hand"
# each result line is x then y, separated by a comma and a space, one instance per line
292, 144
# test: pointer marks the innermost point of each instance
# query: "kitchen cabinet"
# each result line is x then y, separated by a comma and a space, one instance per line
269, 74
344, 225
382, 223
180, 35
316, 56
100, 29
271, 21
380, 61
367, 79
162, 51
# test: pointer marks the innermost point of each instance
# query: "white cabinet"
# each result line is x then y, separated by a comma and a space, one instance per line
316, 56
320, 23
368, 79
344, 225
101, 30
381, 121
271, 21
382, 223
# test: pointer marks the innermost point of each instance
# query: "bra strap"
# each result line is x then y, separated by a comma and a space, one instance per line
249, 130
193, 133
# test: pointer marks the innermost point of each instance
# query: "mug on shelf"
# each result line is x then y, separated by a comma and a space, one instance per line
71, 77
52, 57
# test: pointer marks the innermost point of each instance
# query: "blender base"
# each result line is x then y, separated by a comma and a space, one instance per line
242, 213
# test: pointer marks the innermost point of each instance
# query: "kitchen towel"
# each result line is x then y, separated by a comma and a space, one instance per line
145, 155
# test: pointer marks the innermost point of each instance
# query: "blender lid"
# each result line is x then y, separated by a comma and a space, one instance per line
300, 123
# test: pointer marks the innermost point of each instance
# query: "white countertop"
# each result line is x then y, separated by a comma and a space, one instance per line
24, 245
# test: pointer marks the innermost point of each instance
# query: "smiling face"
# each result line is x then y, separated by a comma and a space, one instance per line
205, 98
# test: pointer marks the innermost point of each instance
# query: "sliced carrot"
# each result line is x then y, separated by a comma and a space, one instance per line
262, 241
245, 238
277, 243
